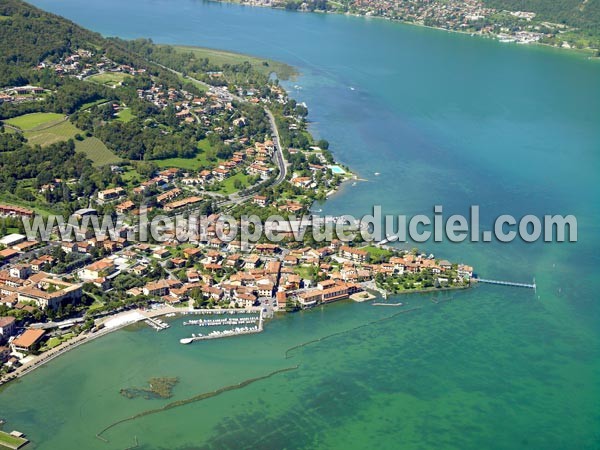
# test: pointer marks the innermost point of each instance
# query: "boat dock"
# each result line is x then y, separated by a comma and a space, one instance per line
13, 440
387, 304
372, 286
157, 324
230, 311
237, 331
221, 322
507, 283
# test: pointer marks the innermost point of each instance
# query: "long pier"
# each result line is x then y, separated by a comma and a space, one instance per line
508, 283
226, 333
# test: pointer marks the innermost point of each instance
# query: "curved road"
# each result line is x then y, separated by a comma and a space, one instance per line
281, 162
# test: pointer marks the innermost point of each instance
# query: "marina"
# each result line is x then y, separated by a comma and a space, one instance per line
231, 311
221, 322
237, 331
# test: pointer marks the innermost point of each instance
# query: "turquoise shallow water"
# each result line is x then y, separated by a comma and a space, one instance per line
445, 119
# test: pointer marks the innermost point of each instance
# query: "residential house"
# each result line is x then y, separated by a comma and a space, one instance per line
160, 288
8, 326
354, 254
465, 271
111, 194
168, 196
125, 207
98, 269
260, 200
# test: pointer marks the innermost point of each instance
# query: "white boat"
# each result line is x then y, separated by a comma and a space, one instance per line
377, 174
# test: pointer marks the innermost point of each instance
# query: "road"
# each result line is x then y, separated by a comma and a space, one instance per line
280, 159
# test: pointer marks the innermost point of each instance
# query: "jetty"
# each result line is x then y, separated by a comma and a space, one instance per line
224, 321
157, 324
507, 283
372, 286
237, 331
230, 311
387, 240
388, 304
13, 440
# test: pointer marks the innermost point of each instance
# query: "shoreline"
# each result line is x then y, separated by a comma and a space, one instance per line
81, 339
86, 337
588, 51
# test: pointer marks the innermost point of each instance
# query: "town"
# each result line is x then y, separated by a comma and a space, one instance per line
57, 293
475, 17
99, 132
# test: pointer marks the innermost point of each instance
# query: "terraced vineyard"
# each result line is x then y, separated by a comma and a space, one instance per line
47, 128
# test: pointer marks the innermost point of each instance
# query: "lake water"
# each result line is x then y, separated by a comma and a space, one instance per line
444, 119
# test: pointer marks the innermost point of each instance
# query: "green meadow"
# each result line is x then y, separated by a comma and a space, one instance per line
95, 150
125, 115
48, 128
227, 186
34, 120
110, 79
201, 160
220, 57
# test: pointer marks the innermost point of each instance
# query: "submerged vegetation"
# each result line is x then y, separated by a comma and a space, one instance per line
159, 387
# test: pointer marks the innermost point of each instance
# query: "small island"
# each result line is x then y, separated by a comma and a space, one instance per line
159, 387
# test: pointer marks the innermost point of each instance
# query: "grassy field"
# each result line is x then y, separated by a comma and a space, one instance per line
377, 253
305, 272
56, 341
90, 104
131, 176
110, 79
9, 441
219, 57
28, 122
227, 187
64, 130
95, 150
186, 163
125, 115
42, 208
200, 160
44, 136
